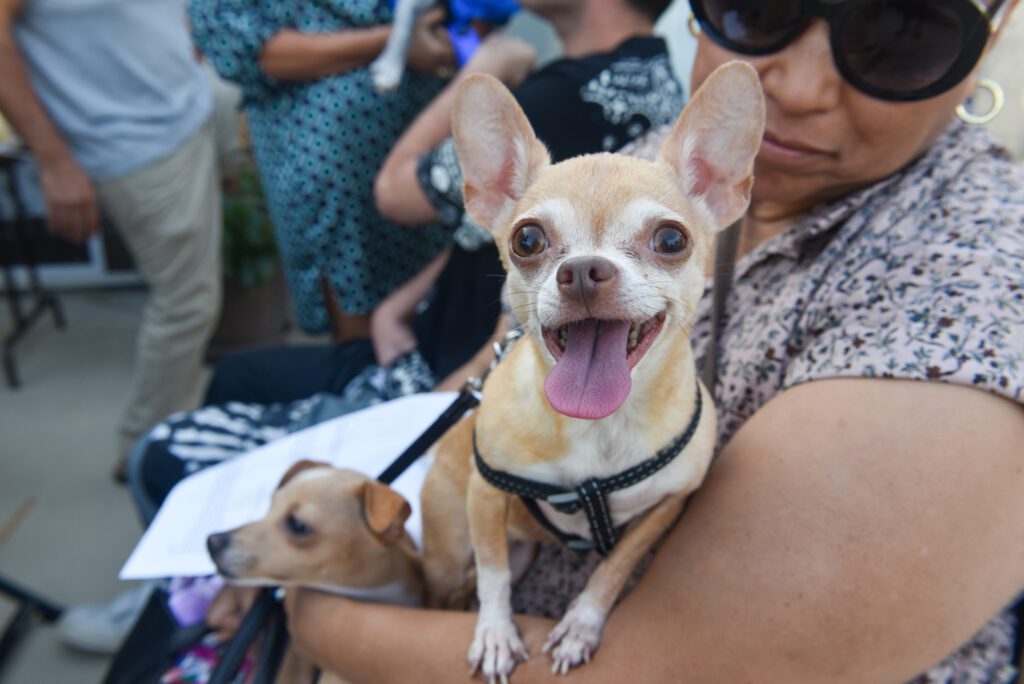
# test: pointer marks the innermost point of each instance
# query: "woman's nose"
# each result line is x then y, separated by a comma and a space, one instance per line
802, 78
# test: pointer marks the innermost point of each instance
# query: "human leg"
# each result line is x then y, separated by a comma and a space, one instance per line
281, 374
170, 216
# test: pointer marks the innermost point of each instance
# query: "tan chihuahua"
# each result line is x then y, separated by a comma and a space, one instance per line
331, 529
595, 428
328, 528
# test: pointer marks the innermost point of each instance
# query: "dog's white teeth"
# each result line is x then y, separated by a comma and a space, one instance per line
634, 333
563, 336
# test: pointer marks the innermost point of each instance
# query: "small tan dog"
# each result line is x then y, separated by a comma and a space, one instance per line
596, 419
331, 529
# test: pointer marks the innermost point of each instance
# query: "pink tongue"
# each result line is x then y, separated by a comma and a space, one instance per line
591, 380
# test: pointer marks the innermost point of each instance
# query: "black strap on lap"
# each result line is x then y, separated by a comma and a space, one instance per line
590, 496
464, 402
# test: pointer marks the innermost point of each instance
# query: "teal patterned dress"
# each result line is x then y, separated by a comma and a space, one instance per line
319, 145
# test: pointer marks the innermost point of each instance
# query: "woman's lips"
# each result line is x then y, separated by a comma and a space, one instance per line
788, 152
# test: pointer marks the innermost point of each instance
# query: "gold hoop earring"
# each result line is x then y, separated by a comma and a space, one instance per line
996, 91
691, 23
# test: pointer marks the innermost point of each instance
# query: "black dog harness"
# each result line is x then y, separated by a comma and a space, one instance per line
590, 496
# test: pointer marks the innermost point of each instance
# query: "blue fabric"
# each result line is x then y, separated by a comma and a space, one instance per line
465, 41
319, 145
119, 78
491, 11
464, 38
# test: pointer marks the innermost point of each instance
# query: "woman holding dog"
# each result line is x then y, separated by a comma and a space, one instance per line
865, 516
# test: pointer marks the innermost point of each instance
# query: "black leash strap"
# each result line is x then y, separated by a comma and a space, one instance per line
590, 496
466, 400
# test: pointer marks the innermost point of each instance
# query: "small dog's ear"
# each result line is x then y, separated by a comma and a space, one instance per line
386, 511
713, 144
298, 467
499, 154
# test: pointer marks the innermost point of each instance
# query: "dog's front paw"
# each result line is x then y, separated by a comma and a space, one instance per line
386, 74
575, 638
496, 650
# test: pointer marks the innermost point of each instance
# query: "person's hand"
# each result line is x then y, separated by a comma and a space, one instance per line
507, 58
229, 607
72, 211
391, 333
430, 51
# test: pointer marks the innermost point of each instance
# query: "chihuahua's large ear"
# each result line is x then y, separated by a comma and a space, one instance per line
298, 467
713, 143
386, 511
499, 154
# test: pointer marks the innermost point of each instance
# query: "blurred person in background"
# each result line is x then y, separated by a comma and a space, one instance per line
320, 132
112, 102
117, 110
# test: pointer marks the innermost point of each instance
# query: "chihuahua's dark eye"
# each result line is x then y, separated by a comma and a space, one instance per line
529, 240
669, 239
296, 526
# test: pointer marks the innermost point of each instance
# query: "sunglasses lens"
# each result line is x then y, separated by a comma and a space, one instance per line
752, 25
902, 47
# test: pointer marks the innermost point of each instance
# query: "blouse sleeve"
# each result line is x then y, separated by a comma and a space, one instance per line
949, 307
231, 34
440, 178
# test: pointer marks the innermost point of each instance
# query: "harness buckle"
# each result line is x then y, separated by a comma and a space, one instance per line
474, 386
562, 498
580, 544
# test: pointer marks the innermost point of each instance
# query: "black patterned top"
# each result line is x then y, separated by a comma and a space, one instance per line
920, 276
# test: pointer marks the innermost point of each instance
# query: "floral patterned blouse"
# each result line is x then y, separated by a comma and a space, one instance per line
920, 276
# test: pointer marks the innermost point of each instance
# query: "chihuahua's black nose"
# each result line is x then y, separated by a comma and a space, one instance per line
216, 543
586, 277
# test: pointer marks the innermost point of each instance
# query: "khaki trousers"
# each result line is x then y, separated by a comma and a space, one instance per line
169, 214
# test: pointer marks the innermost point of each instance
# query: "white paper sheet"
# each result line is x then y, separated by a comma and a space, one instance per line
238, 491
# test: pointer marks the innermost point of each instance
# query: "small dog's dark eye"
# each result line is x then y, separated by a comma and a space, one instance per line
669, 239
296, 526
529, 240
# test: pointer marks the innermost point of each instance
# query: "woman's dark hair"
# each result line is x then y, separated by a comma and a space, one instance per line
650, 8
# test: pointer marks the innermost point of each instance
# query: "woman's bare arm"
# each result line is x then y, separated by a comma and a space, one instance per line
291, 55
397, 190
854, 530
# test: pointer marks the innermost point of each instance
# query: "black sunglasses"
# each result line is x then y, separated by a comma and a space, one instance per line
900, 50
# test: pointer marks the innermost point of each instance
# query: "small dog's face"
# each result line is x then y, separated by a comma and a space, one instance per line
605, 253
325, 526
